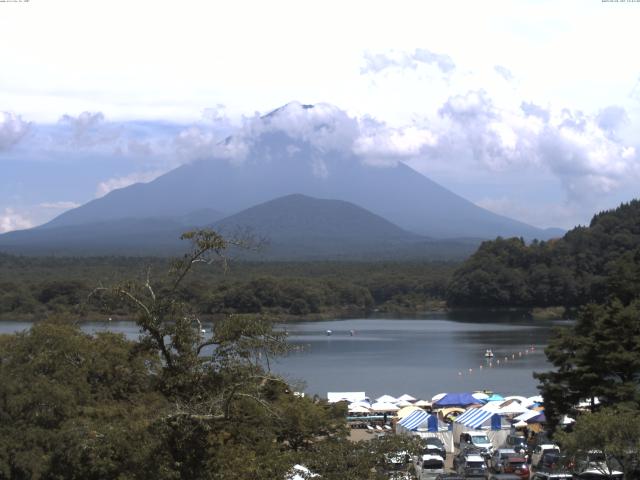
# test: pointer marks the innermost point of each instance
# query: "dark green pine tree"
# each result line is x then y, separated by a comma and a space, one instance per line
598, 357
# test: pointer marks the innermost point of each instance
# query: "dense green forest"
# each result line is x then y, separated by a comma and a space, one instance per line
34, 287
589, 264
79, 406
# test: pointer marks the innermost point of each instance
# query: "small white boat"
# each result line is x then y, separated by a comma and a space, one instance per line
329, 332
488, 353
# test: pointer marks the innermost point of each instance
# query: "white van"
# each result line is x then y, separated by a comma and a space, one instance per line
428, 466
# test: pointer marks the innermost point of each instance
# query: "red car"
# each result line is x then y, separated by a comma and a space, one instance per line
517, 466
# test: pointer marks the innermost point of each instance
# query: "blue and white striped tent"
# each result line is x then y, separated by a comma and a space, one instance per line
417, 418
475, 417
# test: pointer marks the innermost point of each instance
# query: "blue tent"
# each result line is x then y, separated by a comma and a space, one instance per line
457, 400
493, 398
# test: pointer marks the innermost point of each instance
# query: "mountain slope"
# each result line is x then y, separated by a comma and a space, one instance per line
276, 162
298, 226
125, 236
295, 227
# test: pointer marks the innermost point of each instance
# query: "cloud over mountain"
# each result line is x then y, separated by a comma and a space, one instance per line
12, 129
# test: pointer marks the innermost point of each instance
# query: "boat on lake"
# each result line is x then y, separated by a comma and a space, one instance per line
488, 353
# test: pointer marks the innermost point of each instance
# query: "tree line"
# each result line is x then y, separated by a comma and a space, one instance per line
34, 287
589, 264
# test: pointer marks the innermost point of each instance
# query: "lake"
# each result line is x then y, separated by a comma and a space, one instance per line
420, 355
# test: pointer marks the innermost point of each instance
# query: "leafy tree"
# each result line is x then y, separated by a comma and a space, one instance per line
598, 357
589, 264
614, 433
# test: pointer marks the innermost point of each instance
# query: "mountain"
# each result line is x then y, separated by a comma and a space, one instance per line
301, 227
297, 149
295, 227
125, 236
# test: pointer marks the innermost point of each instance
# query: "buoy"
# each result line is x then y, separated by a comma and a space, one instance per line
471, 370
459, 373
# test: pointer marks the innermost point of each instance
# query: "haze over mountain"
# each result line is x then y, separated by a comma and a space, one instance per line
301, 149
295, 227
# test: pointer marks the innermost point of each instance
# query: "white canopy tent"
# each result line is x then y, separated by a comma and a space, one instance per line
384, 407
356, 408
387, 399
333, 397
407, 398
513, 408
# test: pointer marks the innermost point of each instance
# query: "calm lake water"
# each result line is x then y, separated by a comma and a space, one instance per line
420, 355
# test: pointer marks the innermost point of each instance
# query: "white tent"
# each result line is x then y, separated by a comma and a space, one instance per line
437, 397
517, 398
406, 397
494, 405
387, 399
403, 403
384, 407
356, 408
422, 403
333, 397
480, 396
513, 408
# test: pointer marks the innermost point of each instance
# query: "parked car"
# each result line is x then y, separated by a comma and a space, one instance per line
516, 442
478, 440
428, 466
517, 466
551, 462
464, 451
595, 465
497, 458
541, 449
470, 464
434, 446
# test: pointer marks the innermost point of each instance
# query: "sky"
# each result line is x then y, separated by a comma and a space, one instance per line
528, 108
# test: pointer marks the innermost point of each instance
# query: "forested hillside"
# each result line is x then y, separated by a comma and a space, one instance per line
589, 264
35, 287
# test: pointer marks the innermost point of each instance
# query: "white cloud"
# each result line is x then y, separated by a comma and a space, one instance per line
380, 144
62, 205
401, 60
12, 129
120, 182
579, 149
504, 72
11, 220
89, 129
